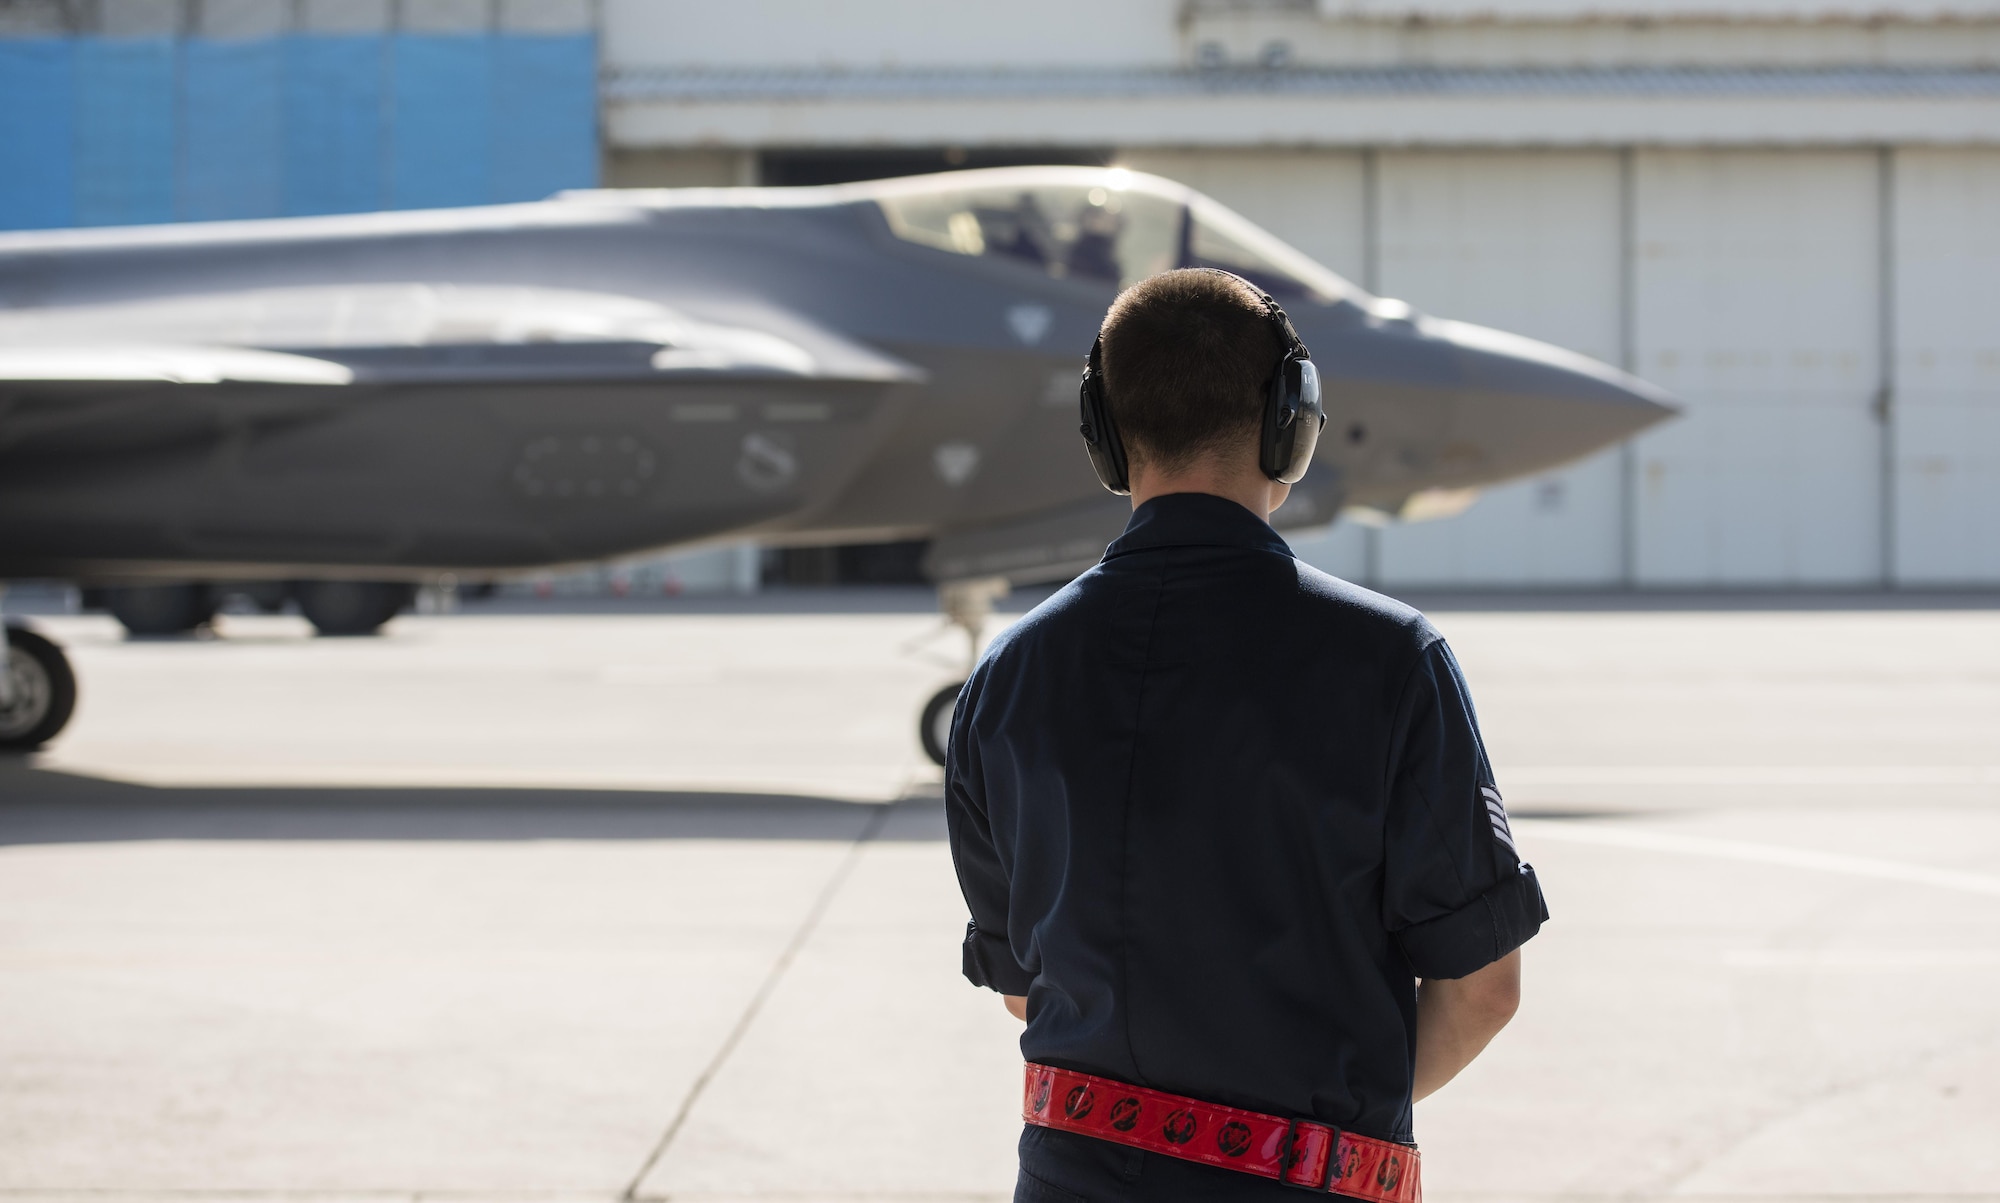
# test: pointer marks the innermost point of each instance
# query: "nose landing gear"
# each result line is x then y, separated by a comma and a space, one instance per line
934, 728
967, 605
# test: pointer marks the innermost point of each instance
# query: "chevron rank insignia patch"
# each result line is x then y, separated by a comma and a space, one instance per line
1496, 813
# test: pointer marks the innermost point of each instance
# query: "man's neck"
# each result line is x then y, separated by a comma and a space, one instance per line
1218, 478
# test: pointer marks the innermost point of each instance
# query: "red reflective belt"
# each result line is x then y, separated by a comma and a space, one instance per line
1296, 1152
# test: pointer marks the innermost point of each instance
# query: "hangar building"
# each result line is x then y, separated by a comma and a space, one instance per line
1785, 211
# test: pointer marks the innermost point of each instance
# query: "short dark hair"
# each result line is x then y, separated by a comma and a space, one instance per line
1187, 355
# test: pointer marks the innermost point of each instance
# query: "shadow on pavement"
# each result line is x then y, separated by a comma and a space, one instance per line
914, 599
1711, 601
41, 806
33, 600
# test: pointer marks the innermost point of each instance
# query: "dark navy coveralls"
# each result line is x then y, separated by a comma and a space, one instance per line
1214, 812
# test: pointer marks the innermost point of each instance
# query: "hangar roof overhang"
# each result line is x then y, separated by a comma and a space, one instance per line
1648, 10
1318, 106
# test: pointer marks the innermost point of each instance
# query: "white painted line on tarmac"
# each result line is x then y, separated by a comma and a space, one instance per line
1641, 840
864, 786
1863, 960
1752, 774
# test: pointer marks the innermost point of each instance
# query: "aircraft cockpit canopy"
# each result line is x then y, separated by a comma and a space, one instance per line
1113, 226
1220, 237
1070, 231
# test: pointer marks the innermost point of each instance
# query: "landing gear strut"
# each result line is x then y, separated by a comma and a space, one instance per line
967, 605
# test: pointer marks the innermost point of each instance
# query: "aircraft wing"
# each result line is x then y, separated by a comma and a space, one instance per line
419, 333
166, 365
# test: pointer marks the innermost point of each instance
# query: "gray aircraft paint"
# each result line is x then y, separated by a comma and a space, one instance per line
494, 389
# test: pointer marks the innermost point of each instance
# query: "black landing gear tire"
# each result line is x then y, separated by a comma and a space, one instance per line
161, 609
43, 693
934, 728
351, 607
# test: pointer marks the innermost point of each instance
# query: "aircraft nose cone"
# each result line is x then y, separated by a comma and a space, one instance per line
1528, 405
1417, 403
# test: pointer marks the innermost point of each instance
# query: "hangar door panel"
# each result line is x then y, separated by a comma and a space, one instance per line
1756, 292
1528, 243
1947, 367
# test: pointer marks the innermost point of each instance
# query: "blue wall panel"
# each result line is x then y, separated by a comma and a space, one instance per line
231, 131
334, 115
37, 134
124, 131
102, 131
441, 134
544, 116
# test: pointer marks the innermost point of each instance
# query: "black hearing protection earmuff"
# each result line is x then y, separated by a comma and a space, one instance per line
1293, 412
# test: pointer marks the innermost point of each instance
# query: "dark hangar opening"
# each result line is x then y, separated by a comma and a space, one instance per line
899, 563
884, 563
802, 167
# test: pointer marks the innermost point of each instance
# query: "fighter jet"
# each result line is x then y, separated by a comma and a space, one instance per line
355, 404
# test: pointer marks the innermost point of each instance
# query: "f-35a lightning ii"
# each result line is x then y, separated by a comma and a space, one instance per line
354, 404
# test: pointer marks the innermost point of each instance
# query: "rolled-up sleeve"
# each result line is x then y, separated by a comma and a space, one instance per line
988, 959
1456, 896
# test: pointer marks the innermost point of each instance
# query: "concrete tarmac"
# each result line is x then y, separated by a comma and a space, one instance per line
657, 906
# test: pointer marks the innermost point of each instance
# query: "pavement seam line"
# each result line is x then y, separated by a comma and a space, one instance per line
767, 988
1643, 840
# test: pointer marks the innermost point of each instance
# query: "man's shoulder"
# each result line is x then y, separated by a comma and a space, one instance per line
1368, 613
1339, 611
1055, 617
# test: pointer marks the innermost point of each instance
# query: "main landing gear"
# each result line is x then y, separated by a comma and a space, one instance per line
333, 607
967, 605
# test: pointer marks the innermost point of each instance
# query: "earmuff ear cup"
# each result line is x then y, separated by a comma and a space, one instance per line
1274, 447
1293, 417
1307, 426
1100, 436
1293, 413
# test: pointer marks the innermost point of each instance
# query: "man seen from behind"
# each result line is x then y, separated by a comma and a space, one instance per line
1228, 834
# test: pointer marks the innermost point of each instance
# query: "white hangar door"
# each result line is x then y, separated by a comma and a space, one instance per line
1757, 293
1946, 315
1527, 242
